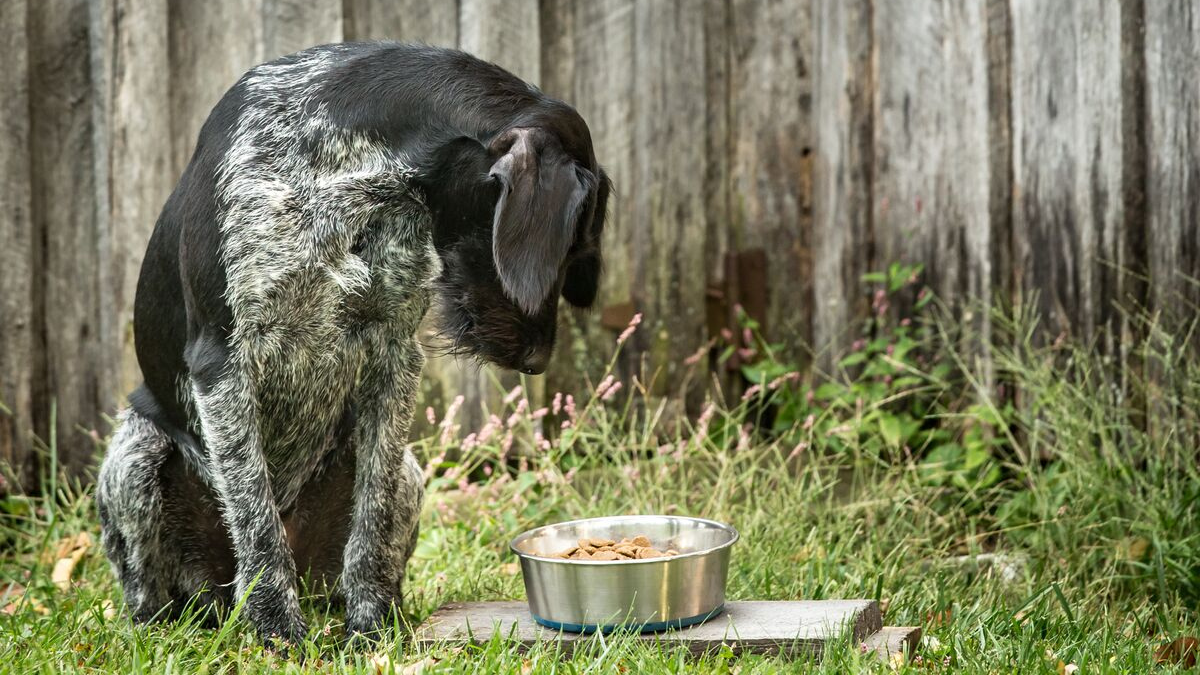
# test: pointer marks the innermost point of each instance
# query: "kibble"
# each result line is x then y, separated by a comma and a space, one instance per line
595, 548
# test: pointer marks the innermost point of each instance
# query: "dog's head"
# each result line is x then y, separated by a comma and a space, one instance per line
517, 223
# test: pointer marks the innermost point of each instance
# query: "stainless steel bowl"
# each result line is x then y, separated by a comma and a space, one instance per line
584, 596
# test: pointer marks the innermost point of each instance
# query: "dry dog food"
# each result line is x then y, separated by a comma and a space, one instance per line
636, 548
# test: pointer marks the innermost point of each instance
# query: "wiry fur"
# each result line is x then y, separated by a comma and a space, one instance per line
331, 194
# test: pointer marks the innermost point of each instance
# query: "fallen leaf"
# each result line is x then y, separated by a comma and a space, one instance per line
27, 602
108, 610
511, 569
1067, 668
896, 660
418, 667
1135, 549
938, 618
1180, 651
884, 603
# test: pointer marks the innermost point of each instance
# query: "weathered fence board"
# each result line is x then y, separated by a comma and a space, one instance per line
932, 163
770, 153
842, 237
60, 108
1066, 120
1017, 148
292, 25
18, 335
668, 180
133, 165
587, 59
1173, 89
435, 23
211, 44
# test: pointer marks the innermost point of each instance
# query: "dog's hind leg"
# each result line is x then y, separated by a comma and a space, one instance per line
130, 502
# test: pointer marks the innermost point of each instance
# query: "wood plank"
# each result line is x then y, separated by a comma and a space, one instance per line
749, 627
292, 25
211, 45
434, 23
932, 159
1067, 160
595, 75
842, 230
504, 32
132, 165
892, 640
17, 330
770, 152
668, 185
1172, 60
63, 203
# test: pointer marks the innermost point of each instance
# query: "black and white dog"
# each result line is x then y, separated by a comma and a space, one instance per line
331, 195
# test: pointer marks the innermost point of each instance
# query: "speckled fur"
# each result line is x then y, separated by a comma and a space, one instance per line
232, 471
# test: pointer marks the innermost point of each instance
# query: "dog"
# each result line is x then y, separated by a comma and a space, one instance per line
333, 196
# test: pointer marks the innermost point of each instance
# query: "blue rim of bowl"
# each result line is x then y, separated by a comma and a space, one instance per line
654, 627
512, 545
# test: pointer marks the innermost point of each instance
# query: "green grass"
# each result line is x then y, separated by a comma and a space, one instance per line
890, 490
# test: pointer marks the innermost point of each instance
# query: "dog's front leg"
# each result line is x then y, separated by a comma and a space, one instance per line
223, 389
388, 485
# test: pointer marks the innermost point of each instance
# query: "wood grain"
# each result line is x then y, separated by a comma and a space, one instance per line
71, 354
843, 240
434, 23
932, 151
1067, 161
770, 154
18, 339
750, 627
1172, 60
668, 183
292, 25
133, 175
211, 45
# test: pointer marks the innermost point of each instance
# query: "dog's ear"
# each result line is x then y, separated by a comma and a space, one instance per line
583, 274
542, 191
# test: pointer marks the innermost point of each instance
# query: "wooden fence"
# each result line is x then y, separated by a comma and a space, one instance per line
1011, 146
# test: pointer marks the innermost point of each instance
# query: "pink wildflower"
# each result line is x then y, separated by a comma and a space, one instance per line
519, 413
696, 356
612, 391
430, 415
747, 352
906, 321
783, 379
569, 406
512, 395
743, 438
633, 324
800, 447
751, 392
570, 475
566, 424
809, 421
891, 349
857, 345
539, 413
487, 469
702, 423
556, 406
604, 385
665, 448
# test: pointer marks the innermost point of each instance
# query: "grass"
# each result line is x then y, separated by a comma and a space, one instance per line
1028, 528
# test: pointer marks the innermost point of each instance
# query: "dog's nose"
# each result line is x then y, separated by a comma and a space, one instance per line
535, 362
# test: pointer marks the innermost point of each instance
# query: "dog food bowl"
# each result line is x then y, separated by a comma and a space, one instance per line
584, 596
